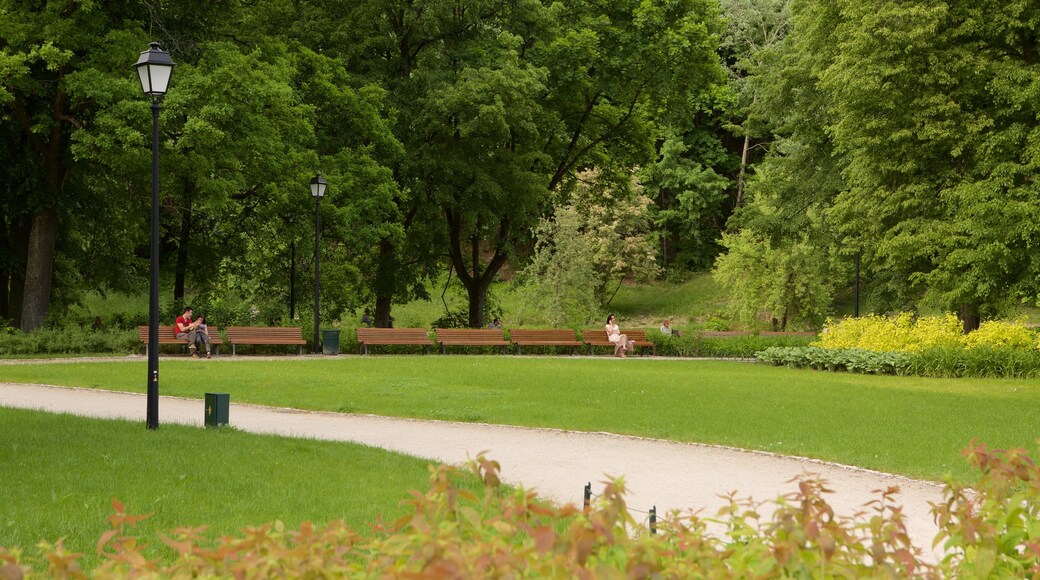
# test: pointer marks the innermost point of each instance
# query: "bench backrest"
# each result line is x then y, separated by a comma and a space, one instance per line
167, 333
599, 335
397, 334
236, 333
468, 334
772, 333
542, 334
636, 335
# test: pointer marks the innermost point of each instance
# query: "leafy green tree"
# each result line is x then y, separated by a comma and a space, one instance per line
689, 195
755, 28
596, 240
55, 61
937, 107
788, 282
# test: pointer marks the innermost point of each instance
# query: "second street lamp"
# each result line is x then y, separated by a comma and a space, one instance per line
155, 68
318, 186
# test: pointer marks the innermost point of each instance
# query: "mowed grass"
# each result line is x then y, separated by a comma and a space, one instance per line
907, 425
60, 473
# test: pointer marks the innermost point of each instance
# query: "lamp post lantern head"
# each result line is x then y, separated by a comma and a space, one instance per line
318, 186
155, 68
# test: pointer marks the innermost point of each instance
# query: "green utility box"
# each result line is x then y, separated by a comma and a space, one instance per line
217, 409
330, 342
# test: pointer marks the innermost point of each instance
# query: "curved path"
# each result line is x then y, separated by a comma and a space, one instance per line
557, 463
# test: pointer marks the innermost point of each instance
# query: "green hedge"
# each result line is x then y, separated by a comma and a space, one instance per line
69, 340
696, 345
943, 362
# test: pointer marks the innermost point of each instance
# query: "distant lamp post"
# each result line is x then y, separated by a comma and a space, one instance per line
318, 186
155, 68
855, 311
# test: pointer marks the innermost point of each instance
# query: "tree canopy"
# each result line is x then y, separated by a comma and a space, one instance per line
458, 137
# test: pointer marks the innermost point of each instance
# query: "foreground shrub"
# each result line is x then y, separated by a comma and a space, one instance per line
981, 361
989, 530
1001, 334
901, 333
856, 360
696, 345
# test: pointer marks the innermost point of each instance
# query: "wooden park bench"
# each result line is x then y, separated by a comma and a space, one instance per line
528, 337
167, 335
470, 337
394, 336
598, 337
290, 335
786, 333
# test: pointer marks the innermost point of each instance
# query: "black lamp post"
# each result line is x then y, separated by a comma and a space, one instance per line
155, 68
855, 311
318, 186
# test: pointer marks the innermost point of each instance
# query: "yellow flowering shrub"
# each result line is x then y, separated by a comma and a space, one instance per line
1001, 333
900, 333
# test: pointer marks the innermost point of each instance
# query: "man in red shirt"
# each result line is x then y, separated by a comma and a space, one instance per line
185, 330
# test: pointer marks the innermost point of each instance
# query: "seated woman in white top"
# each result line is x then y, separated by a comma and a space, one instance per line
621, 342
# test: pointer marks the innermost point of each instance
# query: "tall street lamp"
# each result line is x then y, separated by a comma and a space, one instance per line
318, 186
155, 68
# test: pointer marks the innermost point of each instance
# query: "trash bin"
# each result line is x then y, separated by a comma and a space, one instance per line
217, 409
330, 342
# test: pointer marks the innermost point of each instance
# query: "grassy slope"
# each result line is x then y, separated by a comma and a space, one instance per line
688, 304
913, 426
60, 474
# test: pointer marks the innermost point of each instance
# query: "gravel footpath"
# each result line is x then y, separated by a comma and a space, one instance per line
558, 463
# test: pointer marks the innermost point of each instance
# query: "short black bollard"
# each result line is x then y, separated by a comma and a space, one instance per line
588, 495
217, 409
653, 520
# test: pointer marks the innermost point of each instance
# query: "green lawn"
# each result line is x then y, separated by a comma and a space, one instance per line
908, 425
60, 473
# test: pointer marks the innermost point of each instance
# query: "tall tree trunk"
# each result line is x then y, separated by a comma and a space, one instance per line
969, 315
385, 284
18, 234
743, 171
39, 268
5, 275
382, 317
181, 268
476, 280
477, 301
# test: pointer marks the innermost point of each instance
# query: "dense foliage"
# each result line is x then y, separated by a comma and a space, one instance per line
987, 529
907, 333
804, 141
447, 130
928, 345
904, 136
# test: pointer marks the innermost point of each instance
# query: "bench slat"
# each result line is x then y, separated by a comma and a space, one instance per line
265, 335
393, 336
543, 337
469, 337
598, 337
167, 335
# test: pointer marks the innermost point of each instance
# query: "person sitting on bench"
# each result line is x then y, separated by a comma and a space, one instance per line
186, 330
621, 341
